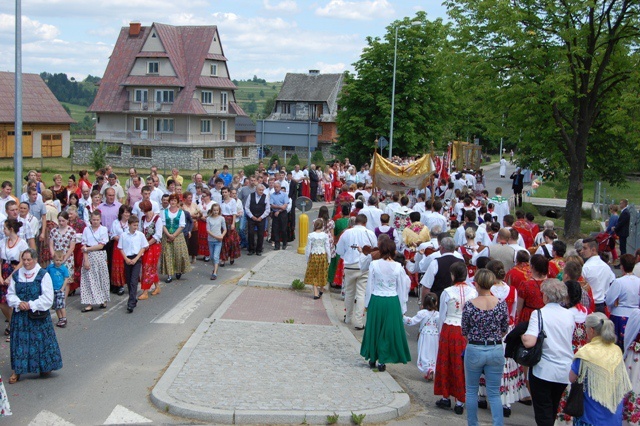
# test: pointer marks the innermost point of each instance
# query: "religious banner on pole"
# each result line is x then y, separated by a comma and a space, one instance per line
393, 177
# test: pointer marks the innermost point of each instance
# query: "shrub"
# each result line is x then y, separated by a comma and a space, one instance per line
357, 418
297, 284
98, 156
332, 420
273, 158
294, 160
317, 157
250, 169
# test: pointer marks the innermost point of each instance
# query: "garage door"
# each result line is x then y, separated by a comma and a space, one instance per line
7, 149
51, 145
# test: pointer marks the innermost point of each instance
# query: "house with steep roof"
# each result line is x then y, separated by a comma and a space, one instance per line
46, 125
167, 99
311, 96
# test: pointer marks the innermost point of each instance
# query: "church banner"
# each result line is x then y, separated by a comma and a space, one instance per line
393, 177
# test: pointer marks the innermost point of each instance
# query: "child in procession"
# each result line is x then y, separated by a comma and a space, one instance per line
216, 230
60, 278
429, 338
132, 244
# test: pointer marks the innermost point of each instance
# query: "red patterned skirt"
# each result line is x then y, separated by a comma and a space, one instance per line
449, 379
231, 242
78, 257
117, 268
150, 260
306, 189
45, 254
328, 192
203, 245
339, 275
7, 269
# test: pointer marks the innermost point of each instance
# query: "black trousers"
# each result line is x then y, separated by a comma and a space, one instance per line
279, 228
623, 245
313, 189
131, 275
546, 397
109, 249
256, 232
517, 192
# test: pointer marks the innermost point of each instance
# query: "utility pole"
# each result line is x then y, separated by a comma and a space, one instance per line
17, 156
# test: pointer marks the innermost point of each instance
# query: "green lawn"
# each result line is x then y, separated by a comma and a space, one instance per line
78, 112
247, 88
558, 189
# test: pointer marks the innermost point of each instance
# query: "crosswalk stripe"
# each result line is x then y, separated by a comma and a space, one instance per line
183, 309
122, 415
47, 418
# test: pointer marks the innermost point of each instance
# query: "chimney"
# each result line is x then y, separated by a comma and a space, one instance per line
134, 29
314, 72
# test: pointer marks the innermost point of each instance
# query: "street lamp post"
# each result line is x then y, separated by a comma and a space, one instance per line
393, 86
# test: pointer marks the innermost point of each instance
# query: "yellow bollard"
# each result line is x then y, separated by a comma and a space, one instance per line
303, 232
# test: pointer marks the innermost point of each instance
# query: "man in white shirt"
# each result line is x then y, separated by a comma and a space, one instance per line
596, 272
297, 176
156, 192
132, 244
469, 221
112, 183
372, 214
507, 223
197, 179
216, 191
393, 205
355, 280
146, 196
435, 218
5, 194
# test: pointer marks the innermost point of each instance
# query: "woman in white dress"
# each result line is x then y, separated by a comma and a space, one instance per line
10, 250
94, 281
428, 341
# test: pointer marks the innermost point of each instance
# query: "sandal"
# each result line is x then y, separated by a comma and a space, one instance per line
14, 378
8, 339
7, 331
87, 309
103, 306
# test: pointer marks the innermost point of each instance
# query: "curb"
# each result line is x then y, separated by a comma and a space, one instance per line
161, 398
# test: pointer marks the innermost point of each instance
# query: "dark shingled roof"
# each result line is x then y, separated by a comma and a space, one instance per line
39, 105
186, 48
310, 88
245, 124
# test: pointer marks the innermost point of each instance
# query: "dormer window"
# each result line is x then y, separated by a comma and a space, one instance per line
153, 67
214, 70
206, 98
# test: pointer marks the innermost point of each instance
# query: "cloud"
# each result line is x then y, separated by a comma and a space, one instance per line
356, 10
31, 29
289, 6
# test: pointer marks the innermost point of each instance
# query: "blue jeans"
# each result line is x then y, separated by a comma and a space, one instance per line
214, 251
489, 360
243, 231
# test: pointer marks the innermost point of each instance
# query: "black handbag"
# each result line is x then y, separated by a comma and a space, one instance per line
529, 357
575, 400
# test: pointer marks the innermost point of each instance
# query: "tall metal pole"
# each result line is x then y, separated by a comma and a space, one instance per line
393, 95
17, 158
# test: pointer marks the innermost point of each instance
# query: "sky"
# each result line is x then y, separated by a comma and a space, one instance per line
267, 38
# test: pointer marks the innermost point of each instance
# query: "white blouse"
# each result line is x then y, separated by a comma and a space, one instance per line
318, 243
452, 302
117, 229
428, 321
12, 254
229, 208
42, 303
387, 279
158, 231
182, 222
91, 238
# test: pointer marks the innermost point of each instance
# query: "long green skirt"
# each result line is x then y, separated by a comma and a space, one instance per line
385, 339
333, 266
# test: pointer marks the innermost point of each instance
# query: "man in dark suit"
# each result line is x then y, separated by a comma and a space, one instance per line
517, 186
622, 227
313, 182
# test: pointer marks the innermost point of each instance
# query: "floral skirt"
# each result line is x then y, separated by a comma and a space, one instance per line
117, 268
339, 275
316, 270
150, 260
385, 339
631, 402
175, 256
231, 242
5, 408
77, 267
34, 347
193, 243
203, 241
449, 379
619, 323
94, 282
45, 254
7, 269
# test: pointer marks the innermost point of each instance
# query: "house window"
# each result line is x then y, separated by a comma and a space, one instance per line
140, 124
319, 129
245, 152
153, 67
164, 125
209, 153
164, 96
223, 130
285, 108
315, 111
205, 126
229, 153
206, 97
223, 101
141, 95
214, 70
140, 151
288, 148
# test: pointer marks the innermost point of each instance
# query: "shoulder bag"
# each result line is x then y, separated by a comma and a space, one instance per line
529, 357
575, 400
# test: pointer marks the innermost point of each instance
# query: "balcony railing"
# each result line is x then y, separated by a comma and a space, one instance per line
150, 138
165, 107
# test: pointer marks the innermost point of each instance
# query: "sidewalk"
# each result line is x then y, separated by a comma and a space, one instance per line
270, 355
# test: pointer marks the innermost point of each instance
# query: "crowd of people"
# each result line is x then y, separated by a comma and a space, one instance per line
484, 277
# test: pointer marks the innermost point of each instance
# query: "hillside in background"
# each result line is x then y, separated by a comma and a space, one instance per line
255, 95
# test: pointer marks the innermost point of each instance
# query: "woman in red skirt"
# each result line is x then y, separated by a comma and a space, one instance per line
118, 227
306, 187
449, 379
231, 242
77, 225
327, 178
151, 227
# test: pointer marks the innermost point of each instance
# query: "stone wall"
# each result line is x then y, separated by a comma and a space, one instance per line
302, 152
167, 156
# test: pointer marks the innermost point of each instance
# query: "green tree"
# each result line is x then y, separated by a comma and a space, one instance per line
252, 107
294, 160
560, 66
421, 109
269, 105
262, 93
